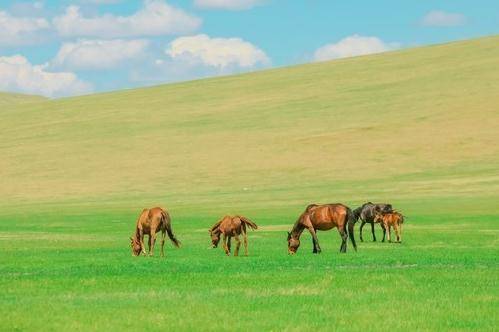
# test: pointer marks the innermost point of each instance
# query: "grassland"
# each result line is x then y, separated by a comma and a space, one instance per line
416, 127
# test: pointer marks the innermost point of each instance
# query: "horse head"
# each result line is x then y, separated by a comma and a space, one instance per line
293, 244
215, 237
135, 245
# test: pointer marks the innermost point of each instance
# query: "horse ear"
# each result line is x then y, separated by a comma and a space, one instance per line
289, 235
131, 238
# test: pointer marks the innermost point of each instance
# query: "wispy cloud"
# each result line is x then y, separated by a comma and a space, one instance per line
19, 75
156, 18
353, 46
199, 56
217, 52
98, 54
438, 18
16, 30
227, 4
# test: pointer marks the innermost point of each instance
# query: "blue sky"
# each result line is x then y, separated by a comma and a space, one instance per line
61, 48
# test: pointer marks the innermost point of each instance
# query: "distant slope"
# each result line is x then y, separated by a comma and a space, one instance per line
419, 122
10, 99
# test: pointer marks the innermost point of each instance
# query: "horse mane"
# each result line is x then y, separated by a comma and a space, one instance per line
214, 227
298, 226
137, 233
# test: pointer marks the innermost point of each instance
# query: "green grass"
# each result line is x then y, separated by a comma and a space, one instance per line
73, 270
418, 128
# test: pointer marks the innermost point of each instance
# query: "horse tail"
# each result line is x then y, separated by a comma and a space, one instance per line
401, 216
248, 222
168, 226
349, 226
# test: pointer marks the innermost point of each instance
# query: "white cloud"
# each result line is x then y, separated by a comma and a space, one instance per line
227, 4
18, 75
438, 18
221, 53
352, 46
98, 54
156, 18
21, 30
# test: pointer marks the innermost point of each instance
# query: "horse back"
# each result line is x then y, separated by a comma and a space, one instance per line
155, 218
393, 218
325, 217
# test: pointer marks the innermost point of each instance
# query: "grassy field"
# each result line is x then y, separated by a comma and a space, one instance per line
418, 128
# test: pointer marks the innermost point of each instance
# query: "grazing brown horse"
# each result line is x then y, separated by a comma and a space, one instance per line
231, 227
393, 219
323, 218
149, 223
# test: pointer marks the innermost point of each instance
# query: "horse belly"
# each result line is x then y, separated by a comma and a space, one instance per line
324, 226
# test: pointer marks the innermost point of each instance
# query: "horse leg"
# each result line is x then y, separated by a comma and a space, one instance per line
143, 247
238, 244
400, 233
229, 244
163, 237
226, 249
372, 231
344, 238
152, 239
245, 239
384, 232
317, 247
397, 231
362, 226
388, 230
314, 251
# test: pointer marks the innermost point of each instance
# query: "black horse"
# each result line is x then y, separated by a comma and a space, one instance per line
367, 212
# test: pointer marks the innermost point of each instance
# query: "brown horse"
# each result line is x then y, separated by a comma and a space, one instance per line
231, 227
323, 218
393, 219
149, 223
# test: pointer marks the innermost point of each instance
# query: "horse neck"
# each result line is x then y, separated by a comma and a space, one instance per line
137, 234
297, 228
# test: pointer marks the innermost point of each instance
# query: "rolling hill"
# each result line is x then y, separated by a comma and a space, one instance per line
8, 100
420, 122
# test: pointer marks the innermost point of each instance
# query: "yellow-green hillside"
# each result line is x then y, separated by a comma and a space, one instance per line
8, 100
420, 122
